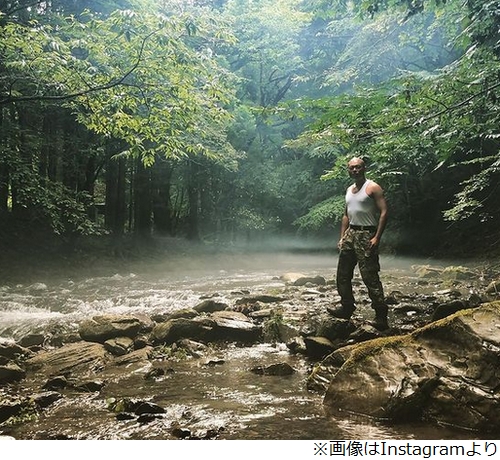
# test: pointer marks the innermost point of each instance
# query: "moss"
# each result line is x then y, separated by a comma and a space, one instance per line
454, 327
371, 347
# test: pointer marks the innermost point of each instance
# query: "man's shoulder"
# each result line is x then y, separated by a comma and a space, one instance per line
372, 187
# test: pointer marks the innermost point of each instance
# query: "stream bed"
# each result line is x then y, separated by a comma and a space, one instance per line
217, 398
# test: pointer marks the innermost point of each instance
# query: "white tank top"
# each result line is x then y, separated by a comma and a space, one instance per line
361, 208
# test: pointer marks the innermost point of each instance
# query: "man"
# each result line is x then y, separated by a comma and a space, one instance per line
362, 226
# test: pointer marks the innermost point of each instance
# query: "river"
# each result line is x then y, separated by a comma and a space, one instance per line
226, 399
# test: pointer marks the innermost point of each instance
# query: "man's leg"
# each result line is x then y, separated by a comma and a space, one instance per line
345, 271
369, 269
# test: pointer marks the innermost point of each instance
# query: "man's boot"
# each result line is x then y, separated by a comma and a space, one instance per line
342, 312
380, 323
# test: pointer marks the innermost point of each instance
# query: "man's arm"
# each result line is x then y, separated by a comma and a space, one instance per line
377, 194
343, 227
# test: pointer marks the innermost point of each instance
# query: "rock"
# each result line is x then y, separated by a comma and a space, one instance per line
32, 340
280, 369
426, 271
260, 314
12, 350
141, 342
146, 407
209, 306
306, 280
458, 273
278, 332
212, 362
187, 313
105, 327
324, 371
56, 383
119, 346
363, 333
135, 357
181, 328
72, 357
92, 386
447, 371
445, 309
147, 418
46, 399
318, 347
146, 322
138, 407
181, 433
10, 409
234, 326
195, 349
334, 328
154, 373
297, 345
264, 298
494, 288
11, 372
395, 297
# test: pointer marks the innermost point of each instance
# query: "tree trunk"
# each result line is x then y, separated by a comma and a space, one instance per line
193, 232
162, 206
4, 167
142, 200
115, 206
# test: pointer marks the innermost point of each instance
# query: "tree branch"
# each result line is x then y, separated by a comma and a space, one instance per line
422, 120
111, 84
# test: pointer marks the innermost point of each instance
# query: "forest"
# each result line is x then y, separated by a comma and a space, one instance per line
231, 121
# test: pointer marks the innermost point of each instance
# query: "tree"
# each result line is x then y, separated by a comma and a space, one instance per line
147, 80
426, 128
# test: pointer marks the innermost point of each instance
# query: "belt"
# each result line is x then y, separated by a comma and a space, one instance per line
371, 228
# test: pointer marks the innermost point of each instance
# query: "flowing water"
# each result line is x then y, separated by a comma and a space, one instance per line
222, 399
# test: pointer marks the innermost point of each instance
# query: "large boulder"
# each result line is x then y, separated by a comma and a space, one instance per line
79, 356
170, 331
219, 326
105, 327
234, 326
447, 371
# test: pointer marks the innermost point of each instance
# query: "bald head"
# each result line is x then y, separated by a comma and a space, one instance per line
356, 161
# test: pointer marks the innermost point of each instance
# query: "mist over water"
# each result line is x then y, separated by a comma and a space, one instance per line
165, 284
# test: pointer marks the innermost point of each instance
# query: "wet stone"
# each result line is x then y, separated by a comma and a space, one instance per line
56, 383
280, 369
46, 399
146, 407
92, 386
154, 373
11, 372
318, 347
119, 346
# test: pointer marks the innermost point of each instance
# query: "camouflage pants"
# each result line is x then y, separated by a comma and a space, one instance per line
355, 250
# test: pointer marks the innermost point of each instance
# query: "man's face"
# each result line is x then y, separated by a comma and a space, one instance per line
356, 168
